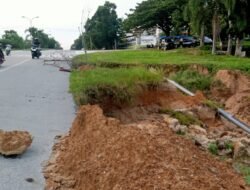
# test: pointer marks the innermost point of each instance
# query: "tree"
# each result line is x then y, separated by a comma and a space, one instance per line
241, 22
198, 13
45, 40
77, 45
230, 6
101, 29
11, 37
215, 7
164, 14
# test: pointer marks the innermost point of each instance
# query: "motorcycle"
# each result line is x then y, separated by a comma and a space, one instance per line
1, 57
8, 50
35, 52
1, 60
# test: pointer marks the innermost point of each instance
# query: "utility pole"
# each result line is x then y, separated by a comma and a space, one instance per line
82, 33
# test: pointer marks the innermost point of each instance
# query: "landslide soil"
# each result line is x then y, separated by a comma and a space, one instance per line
102, 153
137, 150
233, 91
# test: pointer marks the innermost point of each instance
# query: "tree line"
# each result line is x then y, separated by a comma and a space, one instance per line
225, 21
17, 42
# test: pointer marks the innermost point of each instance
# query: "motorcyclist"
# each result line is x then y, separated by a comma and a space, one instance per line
1, 55
36, 43
35, 49
8, 49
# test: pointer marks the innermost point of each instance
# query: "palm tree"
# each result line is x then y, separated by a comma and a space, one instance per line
241, 22
198, 12
230, 6
215, 7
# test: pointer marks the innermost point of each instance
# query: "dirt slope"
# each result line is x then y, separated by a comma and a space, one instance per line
234, 93
101, 153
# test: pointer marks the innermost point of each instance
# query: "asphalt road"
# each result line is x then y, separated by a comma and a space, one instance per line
33, 97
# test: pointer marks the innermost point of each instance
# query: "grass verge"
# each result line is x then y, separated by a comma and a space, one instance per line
186, 56
118, 85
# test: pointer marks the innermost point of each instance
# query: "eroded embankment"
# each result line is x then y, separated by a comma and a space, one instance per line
101, 153
234, 92
140, 149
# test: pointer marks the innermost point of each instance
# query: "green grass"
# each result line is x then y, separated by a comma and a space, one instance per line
246, 43
212, 104
118, 84
245, 171
213, 148
179, 56
183, 118
192, 80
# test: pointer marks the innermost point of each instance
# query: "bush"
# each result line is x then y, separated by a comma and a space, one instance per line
213, 148
206, 48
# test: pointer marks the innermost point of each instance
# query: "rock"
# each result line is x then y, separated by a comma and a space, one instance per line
206, 113
14, 142
181, 128
201, 140
172, 122
221, 144
242, 151
225, 152
196, 129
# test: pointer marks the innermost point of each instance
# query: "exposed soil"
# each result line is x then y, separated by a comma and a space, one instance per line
234, 93
151, 101
86, 67
138, 148
102, 153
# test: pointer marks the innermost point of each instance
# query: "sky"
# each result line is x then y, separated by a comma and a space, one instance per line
58, 18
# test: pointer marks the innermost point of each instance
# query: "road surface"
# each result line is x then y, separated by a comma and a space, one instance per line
33, 97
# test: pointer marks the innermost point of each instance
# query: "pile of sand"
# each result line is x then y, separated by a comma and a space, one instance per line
102, 153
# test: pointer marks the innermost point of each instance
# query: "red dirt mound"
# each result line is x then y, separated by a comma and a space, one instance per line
101, 153
235, 93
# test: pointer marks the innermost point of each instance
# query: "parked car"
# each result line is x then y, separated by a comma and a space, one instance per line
166, 42
185, 41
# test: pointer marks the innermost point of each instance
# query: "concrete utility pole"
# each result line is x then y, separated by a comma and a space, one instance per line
82, 33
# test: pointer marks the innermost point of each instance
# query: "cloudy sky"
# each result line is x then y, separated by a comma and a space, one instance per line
59, 18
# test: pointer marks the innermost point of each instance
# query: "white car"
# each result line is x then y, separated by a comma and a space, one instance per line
208, 40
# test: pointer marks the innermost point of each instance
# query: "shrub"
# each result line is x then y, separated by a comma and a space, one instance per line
213, 148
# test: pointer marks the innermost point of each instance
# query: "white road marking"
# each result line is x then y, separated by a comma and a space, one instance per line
15, 65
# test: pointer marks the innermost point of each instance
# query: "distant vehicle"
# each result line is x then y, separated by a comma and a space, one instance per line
166, 42
185, 41
1, 56
35, 52
148, 41
35, 49
8, 49
207, 40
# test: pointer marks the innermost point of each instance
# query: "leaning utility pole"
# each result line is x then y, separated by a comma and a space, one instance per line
82, 33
